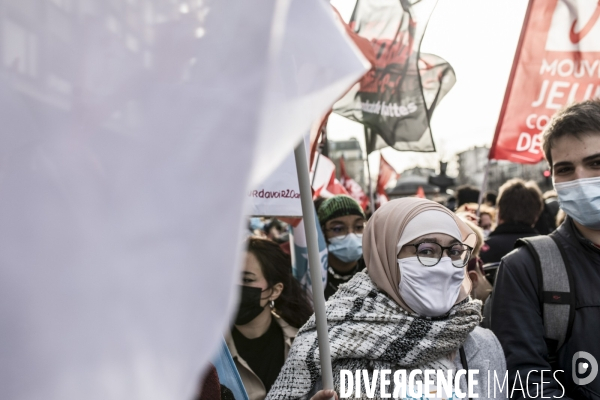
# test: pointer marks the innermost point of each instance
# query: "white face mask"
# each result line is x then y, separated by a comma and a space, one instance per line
580, 199
429, 291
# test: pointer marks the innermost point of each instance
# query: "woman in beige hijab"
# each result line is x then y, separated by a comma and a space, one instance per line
409, 310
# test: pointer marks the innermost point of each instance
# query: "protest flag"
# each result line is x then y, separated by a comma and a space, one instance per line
319, 127
111, 146
278, 195
228, 373
556, 63
324, 183
352, 187
395, 99
386, 173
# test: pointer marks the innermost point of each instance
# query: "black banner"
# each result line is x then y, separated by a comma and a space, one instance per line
395, 100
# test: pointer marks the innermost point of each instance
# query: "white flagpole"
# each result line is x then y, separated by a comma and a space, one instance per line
316, 165
371, 191
483, 185
314, 263
371, 194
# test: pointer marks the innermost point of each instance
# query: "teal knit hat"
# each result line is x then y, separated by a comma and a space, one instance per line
339, 206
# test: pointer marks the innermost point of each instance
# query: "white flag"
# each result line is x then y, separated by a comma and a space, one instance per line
120, 244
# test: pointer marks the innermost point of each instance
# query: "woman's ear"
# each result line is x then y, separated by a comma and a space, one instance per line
474, 279
276, 291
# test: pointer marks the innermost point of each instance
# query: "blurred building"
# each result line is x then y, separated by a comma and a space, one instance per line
353, 158
409, 182
471, 166
471, 169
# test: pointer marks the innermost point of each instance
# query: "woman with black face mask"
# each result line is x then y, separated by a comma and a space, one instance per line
272, 308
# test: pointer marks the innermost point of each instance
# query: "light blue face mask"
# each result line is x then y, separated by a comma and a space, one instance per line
346, 249
580, 199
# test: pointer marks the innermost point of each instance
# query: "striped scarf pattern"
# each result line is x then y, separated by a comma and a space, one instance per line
368, 330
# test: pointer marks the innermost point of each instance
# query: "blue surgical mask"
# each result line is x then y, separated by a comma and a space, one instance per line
580, 200
347, 248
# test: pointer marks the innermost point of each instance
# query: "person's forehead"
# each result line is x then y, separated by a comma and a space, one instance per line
252, 265
346, 220
440, 238
573, 149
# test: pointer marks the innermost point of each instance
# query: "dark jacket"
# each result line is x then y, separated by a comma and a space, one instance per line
502, 241
517, 320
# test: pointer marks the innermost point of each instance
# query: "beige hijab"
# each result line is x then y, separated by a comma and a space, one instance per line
383, 233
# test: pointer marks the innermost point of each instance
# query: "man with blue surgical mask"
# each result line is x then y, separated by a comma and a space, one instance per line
343, 221
545, 313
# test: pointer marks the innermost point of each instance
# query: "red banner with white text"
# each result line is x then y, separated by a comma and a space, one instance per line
557, 63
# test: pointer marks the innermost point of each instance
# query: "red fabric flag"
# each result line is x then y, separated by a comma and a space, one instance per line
386, 173
352, 187
335, 187
325, 183
556, 64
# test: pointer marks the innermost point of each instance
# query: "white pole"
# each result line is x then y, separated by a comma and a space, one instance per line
314, 263
371, 191
371, 194
316, 165
483, 186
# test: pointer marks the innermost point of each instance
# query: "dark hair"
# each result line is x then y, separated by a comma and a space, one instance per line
318, 201
475, 264
466, 194
274, 223
520, 202
451, 203
292, 304
491, 197
573, 120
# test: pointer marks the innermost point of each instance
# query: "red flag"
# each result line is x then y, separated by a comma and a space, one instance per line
556, 64
386, 173
335, 187
420, 193
325, 184
352, 187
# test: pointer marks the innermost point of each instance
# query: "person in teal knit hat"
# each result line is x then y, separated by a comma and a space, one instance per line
342, 221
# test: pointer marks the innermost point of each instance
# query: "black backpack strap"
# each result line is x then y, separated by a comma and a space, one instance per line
572, 299
556, 292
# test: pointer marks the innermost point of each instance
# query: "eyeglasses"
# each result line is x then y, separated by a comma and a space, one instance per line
429, 253
342, 231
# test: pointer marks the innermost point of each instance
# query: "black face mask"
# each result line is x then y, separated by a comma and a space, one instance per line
250, 306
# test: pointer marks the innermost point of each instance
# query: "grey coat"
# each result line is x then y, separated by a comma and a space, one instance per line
484, 353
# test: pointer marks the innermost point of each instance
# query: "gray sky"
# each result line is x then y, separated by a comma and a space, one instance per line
478, 38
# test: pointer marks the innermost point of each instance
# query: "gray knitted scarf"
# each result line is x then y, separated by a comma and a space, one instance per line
368, 330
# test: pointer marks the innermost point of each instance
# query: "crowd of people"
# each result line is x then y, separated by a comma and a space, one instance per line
508, 285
